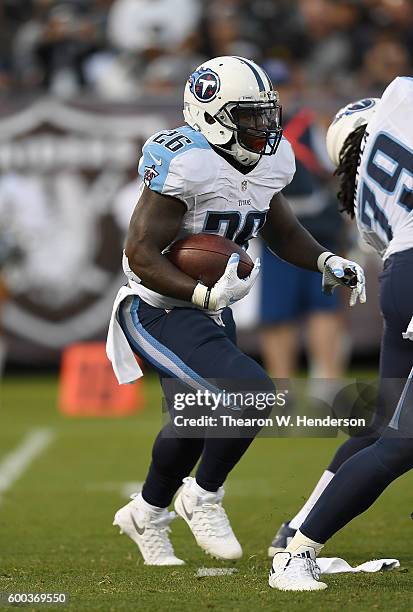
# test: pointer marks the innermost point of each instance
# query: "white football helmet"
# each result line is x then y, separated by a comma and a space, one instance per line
345, 122
231, 101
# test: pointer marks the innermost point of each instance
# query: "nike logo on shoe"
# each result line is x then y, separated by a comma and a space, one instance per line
188, 515
158, 162
140, 530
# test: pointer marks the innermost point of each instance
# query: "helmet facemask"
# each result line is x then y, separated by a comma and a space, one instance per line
256, 125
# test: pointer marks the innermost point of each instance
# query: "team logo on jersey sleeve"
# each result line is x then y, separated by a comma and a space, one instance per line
204, 84
149, 174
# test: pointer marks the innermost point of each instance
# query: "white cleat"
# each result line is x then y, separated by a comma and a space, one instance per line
150, 532
290, 573
208, 521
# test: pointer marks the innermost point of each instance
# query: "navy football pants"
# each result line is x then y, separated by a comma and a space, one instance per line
363, 477
186, 344
358, 483
396, 354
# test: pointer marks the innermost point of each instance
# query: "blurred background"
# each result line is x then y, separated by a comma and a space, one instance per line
84, 83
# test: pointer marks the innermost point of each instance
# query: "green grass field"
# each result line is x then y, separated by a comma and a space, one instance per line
56, 531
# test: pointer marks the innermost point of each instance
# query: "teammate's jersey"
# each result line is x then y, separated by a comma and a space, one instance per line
384, 195
219, 199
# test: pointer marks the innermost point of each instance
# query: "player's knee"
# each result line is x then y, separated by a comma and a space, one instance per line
396, 454
252, 387
262, 400
256, 400
350, 447
265, 396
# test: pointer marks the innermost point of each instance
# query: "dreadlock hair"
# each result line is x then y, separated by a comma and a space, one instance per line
347, 169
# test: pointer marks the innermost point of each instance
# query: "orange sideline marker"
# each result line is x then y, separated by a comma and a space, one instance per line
88, 386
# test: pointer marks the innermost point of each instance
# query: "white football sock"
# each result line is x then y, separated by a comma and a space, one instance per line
146, 506
301, 544
199, 490
299, 518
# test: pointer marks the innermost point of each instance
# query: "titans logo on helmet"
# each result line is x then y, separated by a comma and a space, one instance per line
356, 107
204, 84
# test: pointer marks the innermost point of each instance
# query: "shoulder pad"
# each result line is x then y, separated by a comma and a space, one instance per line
284, 160
161, 149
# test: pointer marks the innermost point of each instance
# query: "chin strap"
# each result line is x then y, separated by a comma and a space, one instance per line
242, 156
247, 158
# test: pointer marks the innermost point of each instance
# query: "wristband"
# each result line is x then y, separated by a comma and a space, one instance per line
204, 297
322, 260
199, 295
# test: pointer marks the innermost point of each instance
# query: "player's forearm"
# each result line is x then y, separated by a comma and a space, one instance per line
158, 273
297, 246
287, 238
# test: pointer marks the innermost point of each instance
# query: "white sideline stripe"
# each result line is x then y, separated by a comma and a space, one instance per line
16, 462
204, 572
124, 488
128, 488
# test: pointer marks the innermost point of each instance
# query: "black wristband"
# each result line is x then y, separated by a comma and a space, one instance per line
329, 257
207, 296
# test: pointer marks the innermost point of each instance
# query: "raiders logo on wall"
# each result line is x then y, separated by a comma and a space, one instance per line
68, 184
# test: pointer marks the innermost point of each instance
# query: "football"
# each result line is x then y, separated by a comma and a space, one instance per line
204, 257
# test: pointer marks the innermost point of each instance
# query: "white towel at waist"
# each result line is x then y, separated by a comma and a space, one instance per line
119, 352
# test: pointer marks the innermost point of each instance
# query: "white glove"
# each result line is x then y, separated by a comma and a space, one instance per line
228, 289
338, 271
408, 334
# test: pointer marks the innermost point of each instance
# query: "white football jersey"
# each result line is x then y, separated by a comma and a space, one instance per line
384, 194
219, 199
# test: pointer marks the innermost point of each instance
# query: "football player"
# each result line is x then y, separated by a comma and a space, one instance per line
222, 173
371, 142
